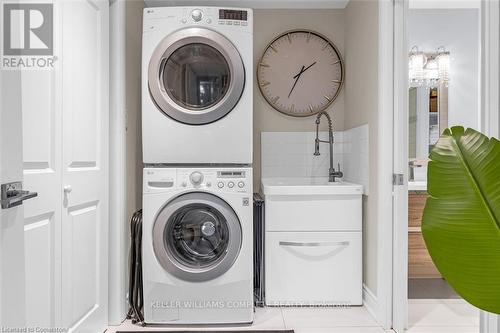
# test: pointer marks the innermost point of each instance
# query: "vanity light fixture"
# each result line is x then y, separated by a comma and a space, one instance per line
443, 59
416, 67
429, 69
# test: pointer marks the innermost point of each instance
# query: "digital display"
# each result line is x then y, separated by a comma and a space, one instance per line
230, 14
230, 174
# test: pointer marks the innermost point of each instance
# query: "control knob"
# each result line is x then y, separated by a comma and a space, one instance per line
196, 178
197, 15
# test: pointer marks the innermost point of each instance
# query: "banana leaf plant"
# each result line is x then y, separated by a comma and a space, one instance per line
461, 221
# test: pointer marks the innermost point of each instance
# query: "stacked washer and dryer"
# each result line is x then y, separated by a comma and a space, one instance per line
197, 117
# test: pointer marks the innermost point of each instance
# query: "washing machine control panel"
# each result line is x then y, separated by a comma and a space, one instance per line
227, 180
223, 180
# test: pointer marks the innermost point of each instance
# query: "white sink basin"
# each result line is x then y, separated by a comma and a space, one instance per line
301, 186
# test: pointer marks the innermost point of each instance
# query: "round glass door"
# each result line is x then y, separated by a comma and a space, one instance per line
196, 76
197, 236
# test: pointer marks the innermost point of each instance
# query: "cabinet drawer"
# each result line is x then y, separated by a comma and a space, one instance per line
313, 268
313, 213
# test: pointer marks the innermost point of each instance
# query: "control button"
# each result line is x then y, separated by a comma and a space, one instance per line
241, 184
229, 23
209, 20
209, 184
184, 21
244, 24
184, 184
220, 184
222, 22
230, 184
196, 178
197, 15
236, 23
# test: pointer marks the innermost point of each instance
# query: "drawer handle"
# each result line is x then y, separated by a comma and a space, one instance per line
314, 244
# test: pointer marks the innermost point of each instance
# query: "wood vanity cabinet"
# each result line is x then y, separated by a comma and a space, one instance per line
420, 264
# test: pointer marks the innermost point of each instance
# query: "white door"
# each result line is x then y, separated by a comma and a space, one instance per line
59, 253
84, 97
12, 302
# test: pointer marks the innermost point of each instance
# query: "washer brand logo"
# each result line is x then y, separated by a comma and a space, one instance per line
28, 35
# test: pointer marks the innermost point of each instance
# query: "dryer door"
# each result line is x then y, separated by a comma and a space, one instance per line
197, 236
196, 76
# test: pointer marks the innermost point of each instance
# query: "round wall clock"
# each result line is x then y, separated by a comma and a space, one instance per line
300, 73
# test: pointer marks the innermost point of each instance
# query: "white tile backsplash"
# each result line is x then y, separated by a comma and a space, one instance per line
290, 154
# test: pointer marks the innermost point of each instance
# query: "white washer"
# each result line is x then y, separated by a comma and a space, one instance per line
197, 246
197, 90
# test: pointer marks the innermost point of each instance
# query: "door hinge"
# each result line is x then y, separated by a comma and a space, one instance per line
398, 179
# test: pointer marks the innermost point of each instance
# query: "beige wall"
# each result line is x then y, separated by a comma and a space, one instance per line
267, 25
133, 105
361, 105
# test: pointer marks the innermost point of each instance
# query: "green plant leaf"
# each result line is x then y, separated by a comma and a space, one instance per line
461, 221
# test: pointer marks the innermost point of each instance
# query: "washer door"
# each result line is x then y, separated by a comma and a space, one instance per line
196, 76
197, 236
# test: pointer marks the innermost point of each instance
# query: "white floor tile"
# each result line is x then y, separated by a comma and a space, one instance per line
296, 318
265, 319
436, 313
341, 330
268, 318
443, 329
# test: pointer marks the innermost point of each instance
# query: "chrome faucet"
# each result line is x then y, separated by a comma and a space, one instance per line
332, 174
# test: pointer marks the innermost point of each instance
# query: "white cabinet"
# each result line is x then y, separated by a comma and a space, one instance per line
313, 243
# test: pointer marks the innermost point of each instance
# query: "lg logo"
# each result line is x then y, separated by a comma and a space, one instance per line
28, 29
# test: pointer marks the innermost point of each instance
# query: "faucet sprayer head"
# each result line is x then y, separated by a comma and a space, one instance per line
316, 147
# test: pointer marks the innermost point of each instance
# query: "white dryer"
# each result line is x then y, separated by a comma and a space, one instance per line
197, 246
197, 74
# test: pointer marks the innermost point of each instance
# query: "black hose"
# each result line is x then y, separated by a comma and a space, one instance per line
136, 298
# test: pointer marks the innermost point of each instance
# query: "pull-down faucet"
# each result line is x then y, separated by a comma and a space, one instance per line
332, 174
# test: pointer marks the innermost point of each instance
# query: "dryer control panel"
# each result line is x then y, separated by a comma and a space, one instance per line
232, 18
238, 180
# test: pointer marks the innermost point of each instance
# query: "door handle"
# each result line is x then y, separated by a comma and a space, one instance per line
313, 244
12, 194
67, 188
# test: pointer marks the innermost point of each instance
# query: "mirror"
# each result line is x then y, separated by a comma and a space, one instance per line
428, 117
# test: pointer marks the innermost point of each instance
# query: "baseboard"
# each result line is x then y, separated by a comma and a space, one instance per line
370, 301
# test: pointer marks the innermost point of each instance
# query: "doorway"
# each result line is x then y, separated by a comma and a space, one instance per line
441, 78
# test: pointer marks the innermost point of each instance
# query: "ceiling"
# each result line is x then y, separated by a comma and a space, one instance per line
255, 4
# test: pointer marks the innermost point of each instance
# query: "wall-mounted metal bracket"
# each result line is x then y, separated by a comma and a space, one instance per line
12, 194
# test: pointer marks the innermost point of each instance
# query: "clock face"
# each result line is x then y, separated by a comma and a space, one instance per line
300, 73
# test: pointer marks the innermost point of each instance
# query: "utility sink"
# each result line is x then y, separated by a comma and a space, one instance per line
304, 186
313, 242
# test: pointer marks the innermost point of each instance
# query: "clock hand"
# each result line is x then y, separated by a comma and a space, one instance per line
296, 77
304, 69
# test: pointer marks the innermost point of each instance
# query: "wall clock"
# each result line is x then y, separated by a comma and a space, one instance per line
300, 73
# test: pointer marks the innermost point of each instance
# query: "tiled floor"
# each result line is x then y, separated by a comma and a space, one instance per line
442, 316
425, 316
430, 288
302, 320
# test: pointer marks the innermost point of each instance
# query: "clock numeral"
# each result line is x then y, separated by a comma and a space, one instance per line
275, 99
308, 37
327, 98
263, 65
273, 48
336, 62
264, 83
289, 38
292, 108
336, 81
324, 47
311, 108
